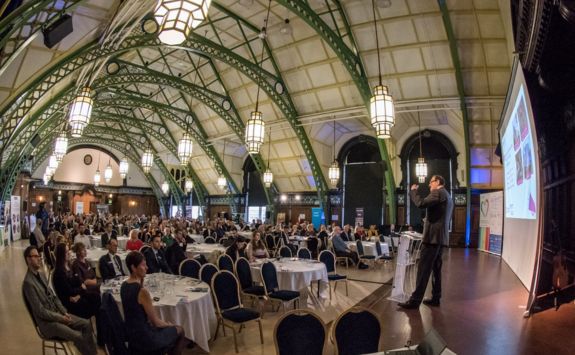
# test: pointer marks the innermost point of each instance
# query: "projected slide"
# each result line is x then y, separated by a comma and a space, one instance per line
519, 157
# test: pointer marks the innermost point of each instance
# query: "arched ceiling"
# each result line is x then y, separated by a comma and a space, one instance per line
322, 71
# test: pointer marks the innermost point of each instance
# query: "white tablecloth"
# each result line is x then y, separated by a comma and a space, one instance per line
194, 311
209, 251
295, 275
93, 256
96, 241
369, 248
198, 238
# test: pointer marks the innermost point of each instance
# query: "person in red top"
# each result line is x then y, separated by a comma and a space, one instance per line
134, 243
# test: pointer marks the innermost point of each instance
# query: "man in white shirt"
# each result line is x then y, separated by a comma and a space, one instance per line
81, 237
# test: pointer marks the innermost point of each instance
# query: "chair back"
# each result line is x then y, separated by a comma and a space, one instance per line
285, 252
207, 272
223, 241
269, 277
113, 328
304, 253
312, 244
225, 262
31, 314
300, 332
359, 246
144, 248
210, 240
270, 242
356, 331
225, 288
244, 273
378, 248
328, 258
190, 268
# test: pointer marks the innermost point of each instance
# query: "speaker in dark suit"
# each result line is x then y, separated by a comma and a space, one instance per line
156, 261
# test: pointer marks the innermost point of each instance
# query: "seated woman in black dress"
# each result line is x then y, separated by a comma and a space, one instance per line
83, 269
146, 331
72, 291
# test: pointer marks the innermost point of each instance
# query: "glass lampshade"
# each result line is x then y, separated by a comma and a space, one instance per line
147, 160
421, 170
108, 173
268, 177
382, 112
188, 185
333, 173
255, 132
177, 18
124, 167
97, 178
80, 112
185, 149
165, 187
61, 147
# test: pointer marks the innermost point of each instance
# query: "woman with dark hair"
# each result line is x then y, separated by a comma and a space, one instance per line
72, 291
146, 331
256, 248
83, 269
237, 249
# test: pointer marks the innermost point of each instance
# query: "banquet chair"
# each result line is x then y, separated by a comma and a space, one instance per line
303, 253
312, 246
339, 259
285, 252
271, 287
229, 308
247, 287
356, 331
270, 243
223, 241
300, 332
210, 240
362, 255
190, 268
53, 343
225, 262
144, 248
328, 258
113, 328
380, 255
207, 272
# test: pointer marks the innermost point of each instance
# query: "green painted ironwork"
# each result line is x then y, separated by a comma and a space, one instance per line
462, 103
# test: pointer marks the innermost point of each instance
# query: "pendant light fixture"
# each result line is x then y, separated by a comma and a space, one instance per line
165, 187
421, 166
46, 179
147, 160
80, 112
255, 128
333, 171
97, 176
189, 185
268, 175
177, 18
185, 146
61, 146
382, 111
53, 164
124, 167
108, 173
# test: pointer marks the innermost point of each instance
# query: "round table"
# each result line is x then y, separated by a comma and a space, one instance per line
198, 238
295, 274
369, 248
210, 251
96, 241
183, 301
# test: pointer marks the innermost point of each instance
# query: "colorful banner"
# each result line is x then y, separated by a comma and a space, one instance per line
79, 207
317, 217
5, 232
359, 216
491, 222
15, 214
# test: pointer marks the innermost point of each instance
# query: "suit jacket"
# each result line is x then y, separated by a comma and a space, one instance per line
106, 238
157, 264
107, 267
439, 207
175, 254
45, 306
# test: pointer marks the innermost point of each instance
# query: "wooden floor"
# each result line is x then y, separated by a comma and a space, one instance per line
481, 311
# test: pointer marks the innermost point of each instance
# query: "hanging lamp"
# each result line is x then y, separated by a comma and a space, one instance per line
80, 112
124, 167
97, 175
222, 181
147, 160
61, 146
108, 173
381, 107
268, 175
165, 188
188, 185
177, 18
255, 128
421, 166
333, 171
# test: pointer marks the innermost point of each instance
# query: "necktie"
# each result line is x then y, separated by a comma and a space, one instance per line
118, 265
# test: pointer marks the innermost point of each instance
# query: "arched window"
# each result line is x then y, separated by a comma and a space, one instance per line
362, 181
441, 158
256, 201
